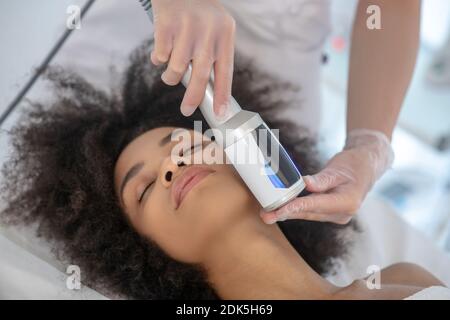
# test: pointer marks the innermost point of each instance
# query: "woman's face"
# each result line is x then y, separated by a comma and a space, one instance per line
181, 206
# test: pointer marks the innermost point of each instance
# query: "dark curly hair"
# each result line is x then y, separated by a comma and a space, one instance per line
60, 176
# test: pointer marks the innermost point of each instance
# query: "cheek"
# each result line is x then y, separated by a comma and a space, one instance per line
217, 205
158, 222
229, 190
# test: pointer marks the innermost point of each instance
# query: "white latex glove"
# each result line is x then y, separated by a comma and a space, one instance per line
200, 31
339, 189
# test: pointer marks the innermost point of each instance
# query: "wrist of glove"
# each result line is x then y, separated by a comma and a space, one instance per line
338, 190
377, 148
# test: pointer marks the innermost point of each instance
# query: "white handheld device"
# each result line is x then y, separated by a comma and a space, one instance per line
247, 141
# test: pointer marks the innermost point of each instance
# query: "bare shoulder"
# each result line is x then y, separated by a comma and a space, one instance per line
397, 281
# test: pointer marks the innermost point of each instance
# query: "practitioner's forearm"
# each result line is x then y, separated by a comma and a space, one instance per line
381, 64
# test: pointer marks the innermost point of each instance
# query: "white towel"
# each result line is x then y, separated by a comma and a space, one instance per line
431, 293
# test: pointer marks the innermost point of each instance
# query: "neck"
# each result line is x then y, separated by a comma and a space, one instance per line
255, 261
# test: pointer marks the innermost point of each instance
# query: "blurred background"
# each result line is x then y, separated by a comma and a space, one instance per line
419, 185
418, 188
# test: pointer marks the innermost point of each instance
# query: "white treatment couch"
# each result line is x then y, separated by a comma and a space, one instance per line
112, 28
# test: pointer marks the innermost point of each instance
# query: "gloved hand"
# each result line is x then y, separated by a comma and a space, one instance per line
201, 31
339, 189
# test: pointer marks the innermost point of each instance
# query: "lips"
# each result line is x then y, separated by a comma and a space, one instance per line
184, 183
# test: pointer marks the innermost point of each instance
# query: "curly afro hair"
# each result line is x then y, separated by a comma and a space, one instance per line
60, 176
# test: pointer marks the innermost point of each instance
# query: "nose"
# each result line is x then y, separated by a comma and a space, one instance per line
170, 170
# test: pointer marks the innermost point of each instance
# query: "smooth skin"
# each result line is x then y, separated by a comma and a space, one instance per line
381, 67
244, 258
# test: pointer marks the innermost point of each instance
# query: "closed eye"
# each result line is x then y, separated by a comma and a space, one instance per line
189, 150
144, 191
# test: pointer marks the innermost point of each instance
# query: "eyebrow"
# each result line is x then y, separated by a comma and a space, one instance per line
135, 169
166, 139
